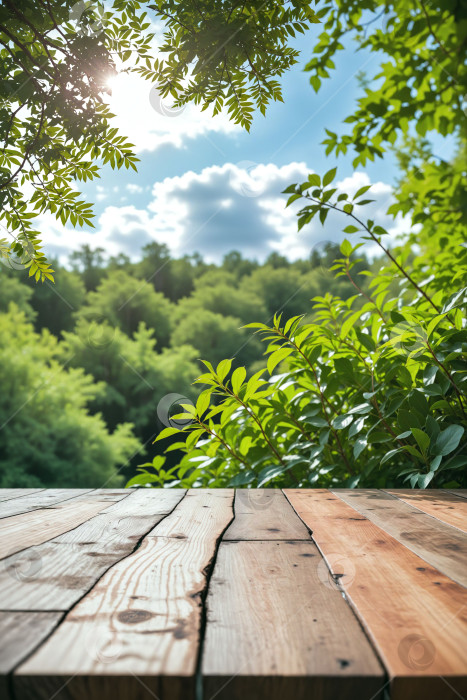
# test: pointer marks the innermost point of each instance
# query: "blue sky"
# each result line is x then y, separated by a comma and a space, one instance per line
204, 184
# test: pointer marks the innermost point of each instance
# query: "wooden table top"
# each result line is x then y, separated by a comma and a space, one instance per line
233, 594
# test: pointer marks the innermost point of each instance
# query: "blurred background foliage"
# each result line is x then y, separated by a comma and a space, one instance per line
85, 361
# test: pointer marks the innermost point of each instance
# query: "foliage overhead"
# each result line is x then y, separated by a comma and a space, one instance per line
56, 61
229, 54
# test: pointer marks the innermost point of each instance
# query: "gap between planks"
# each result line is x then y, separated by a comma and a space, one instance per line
57, 573
25, 530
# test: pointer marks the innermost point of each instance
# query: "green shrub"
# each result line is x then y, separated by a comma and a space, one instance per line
367, 395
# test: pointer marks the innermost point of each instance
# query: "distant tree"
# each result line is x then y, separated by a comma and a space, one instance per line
215, 276
90, 263
276, 261
154, 265
48, 437
172, 277
215, 336
13, 291
55, 304
136, 376
124, 302
120, 262
225, 300
281, 290
324, 257
235, 263
182, 275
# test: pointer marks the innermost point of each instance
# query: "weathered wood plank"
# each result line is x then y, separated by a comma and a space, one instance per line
141, 620
20, 634
462, 493
265, 514
7, 494
56, 574
278, 627
416, 616
198, 514
437, 543
43, 499
449, 508
29, 529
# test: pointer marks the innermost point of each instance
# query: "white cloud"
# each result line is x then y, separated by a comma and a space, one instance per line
224, 208
135, 189
101, 193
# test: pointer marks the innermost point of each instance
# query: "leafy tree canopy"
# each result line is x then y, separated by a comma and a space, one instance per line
49, 437
56, 61
123, 301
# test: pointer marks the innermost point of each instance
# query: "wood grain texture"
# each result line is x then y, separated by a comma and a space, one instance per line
29, 529
265, 514
20, 633
55, 574
278, 627
42, 499
438, 544
416, 616
448, 507
7, 494
141, 620
198, 515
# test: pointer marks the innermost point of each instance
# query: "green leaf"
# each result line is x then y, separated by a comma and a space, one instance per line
269, 473
278, 356
317, 422
238, 377
357, 426
448, 440
314, 180
346, 248
243, 478
423, 440
223, 368
407, 420
359, 446
329, 177
341, 422
390, 454
167, 432
424, 479
202, 404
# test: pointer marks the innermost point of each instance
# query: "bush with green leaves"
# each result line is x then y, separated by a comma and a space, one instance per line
367, 395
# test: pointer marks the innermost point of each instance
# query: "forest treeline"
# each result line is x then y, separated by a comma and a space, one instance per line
85, 362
